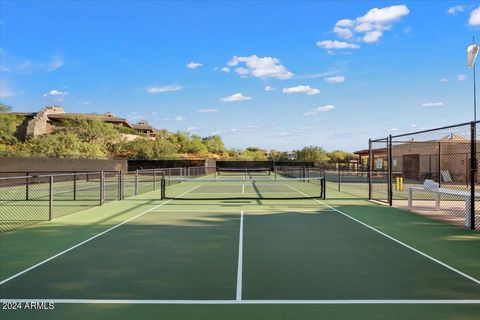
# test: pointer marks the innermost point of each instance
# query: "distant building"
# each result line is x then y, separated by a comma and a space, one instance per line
143, 127
44, 122
291, 155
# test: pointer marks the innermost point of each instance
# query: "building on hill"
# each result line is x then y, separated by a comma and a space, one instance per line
44, 121
143, 127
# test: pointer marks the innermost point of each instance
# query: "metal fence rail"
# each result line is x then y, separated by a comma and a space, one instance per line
29, 199
431, 172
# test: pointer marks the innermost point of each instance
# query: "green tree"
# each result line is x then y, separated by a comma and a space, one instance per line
312, 153
339, 156
195, 145
64, 145
214, 144
92, 130
278, 155
146, 149
8, 127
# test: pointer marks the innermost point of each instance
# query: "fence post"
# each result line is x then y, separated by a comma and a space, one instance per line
369, 167
74, 186
473, 171
339, 177
120, 185
27, 187
439, 164
136, 182
50, 198
389, 178
102, 188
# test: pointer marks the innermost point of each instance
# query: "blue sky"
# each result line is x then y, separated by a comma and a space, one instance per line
278, 75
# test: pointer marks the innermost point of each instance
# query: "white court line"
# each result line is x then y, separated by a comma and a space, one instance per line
397, 241
240, 260
266, 302
90, 239
249, 210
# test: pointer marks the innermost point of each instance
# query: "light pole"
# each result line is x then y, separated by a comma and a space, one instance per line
472, 52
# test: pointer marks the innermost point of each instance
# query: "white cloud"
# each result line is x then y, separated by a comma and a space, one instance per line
384, 16
395, 129
372, 36
335, 44
461, 77
194, 65
318, 110
474, 17
180, 118
301, 89
55, 93
225, 69
372, 25
432, 104
344, 23
154, 90
443, 80
269, 88
235, 98
207, 110
455, 9
56, 63
84, 102
243, 72
266, 67
343, 32
318, 75
4, 68
336, 79
192, 128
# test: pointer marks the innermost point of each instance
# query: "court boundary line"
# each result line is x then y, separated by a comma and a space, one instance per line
398, 241
88, 240
240, 260
245, 210
265, 302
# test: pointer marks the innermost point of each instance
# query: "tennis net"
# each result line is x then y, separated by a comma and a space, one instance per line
252, 188
243, 172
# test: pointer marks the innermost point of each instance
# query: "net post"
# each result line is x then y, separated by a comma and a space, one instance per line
27, 187
74, 186
370, 156
50, 198
102, 188
162, 188
473, 171
136, 182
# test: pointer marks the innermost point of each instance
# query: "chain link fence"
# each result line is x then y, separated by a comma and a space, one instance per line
39, 196
432, 173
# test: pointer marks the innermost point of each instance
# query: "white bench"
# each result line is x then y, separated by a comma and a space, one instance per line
445, 191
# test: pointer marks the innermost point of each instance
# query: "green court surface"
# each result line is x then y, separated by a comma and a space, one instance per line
211, 252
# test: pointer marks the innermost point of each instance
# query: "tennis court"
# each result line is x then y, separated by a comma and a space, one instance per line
243, 247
